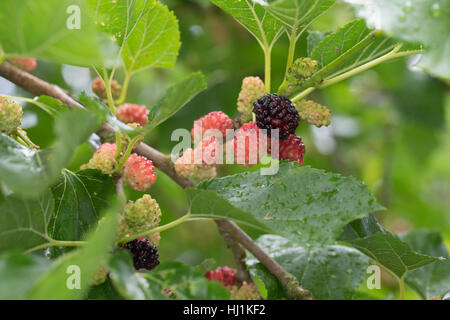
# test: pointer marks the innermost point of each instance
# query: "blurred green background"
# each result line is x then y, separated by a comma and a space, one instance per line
390, 125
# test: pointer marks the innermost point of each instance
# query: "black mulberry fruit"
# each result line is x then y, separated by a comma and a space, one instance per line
145, 256
273, 111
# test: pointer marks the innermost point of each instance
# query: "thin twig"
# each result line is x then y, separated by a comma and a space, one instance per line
288, 281
163, 162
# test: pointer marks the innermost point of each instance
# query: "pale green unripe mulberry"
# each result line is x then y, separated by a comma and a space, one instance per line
313, 113
101, 275
185, 167
142, 215
247, 291
11, 114
252, 89
301, 69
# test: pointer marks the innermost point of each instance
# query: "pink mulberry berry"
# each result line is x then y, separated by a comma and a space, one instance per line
213, 120
103, 159
139, 172
247, 149
98, 87
293, 149
132, 113
186, 167
224, 275
210, 147
26, 64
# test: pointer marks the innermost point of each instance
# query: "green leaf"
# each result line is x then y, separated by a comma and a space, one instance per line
104, 291
350, 50
208, 203
50, 105
24, 223
391, 253
176, 97
125, 280
182, 281
297, 15
353, 45
104, 114
146, 31
21, 169
313, 39
19, 272
434, 279
361, 228
79, 199
309, 206
330, 272
40, 31
425, 22
27, 172
54, 284
72, 129
255, 18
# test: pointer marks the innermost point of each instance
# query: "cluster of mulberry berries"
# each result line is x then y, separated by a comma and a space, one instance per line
145, 255
138, 171
136, 218
277, 112
132, 114
199, 163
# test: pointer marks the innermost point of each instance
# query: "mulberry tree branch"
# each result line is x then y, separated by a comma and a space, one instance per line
163, 162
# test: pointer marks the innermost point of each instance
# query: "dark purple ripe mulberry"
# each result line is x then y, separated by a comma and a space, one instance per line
145, 256
276, 112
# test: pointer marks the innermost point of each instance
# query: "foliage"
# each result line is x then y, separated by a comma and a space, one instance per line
323, 228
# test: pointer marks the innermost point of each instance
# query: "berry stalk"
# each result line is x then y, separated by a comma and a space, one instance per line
126, 82
127, 153
267, 70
